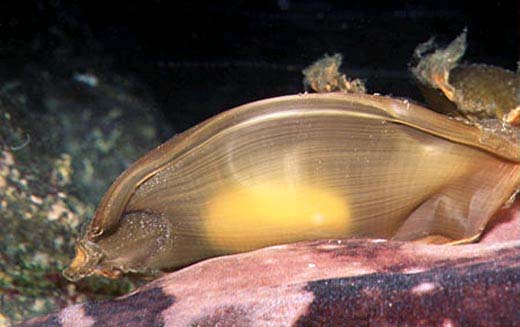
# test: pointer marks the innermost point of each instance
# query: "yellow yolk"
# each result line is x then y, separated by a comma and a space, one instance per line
246, 218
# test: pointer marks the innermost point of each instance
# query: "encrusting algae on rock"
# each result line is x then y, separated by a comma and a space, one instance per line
48, 186
37, 226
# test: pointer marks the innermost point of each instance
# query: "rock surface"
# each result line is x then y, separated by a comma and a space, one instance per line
330, 283
62, 142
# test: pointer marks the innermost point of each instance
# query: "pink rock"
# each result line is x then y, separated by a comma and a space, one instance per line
330, 283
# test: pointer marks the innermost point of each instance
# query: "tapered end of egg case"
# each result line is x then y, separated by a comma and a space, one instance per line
84, 264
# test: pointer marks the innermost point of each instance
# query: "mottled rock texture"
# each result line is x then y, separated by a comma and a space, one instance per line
330, 283
62, 142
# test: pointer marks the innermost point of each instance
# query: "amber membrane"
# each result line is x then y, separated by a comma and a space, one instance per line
304, 167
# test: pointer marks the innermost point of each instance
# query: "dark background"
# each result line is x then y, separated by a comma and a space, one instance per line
200, 57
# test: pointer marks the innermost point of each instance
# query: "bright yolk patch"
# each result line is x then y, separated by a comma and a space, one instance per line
243, 219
